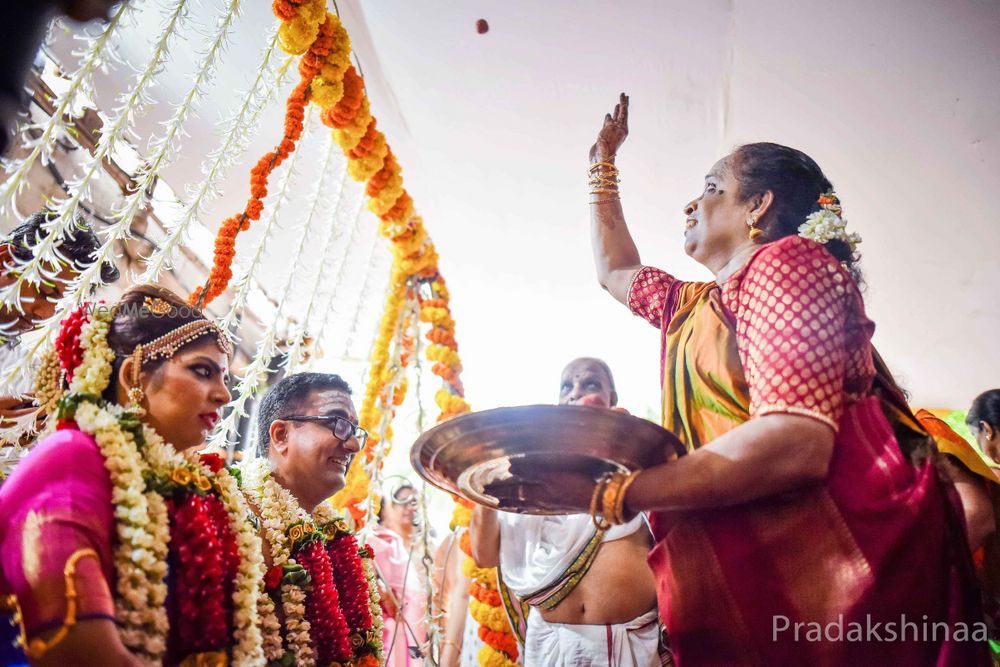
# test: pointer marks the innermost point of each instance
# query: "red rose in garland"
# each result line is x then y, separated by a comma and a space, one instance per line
213, 461
273, 577
68, 348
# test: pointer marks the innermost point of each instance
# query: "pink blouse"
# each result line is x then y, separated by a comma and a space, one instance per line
803, 337
57, 501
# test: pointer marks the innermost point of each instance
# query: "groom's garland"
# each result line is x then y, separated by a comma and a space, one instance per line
325, 581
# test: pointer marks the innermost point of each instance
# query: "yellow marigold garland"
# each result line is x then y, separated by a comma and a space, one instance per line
338, 90
357, 484
491, 617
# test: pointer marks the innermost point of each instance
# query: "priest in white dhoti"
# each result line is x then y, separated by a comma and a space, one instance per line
576, 595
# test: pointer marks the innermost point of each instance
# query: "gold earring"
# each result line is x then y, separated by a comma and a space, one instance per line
754, 232
135, 394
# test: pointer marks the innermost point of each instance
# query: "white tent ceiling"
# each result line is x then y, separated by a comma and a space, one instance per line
899, 101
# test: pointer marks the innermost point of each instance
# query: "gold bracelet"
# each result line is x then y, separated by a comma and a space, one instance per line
610, 496
604, 183
602, 165
620, 500
600, 524
601, 191
36, 648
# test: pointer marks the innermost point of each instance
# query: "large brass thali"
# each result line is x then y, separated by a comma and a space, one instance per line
518, 453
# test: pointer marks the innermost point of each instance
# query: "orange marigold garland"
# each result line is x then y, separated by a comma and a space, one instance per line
332, 83
500, 646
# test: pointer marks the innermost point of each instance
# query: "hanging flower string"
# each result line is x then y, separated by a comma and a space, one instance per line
332, 83
485, 605
235, 135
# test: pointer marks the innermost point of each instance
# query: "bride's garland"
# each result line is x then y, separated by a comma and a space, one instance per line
168, 507
327, 591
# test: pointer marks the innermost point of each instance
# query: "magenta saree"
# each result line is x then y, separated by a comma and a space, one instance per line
57, 501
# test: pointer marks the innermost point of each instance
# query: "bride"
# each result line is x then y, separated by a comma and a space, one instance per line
118, 544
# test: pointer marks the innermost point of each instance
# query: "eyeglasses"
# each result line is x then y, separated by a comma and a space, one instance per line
341, 427
410, 500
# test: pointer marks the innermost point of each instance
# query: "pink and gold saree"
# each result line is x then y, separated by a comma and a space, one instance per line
815, 576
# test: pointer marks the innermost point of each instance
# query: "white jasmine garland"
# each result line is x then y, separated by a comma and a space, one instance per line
270, 628
826, 225
279, 509
138, 527
374, 602
249, 577
94, 372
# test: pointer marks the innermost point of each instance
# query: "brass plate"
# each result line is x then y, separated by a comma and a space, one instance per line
501, 458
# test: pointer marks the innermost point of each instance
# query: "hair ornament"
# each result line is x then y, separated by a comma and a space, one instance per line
166, 345
826, 224
157, 306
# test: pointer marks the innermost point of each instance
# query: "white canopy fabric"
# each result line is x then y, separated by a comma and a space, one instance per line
898, 101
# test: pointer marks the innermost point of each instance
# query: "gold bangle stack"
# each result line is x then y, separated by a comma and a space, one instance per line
604, 180
609, 499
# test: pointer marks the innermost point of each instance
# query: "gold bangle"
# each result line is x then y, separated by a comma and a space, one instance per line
609, 497
595, 166
620, 500
36, 648
605, 201
600, 524
602, 191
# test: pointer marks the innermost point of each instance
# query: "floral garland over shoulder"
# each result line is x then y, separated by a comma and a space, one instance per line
324, 580
168, 507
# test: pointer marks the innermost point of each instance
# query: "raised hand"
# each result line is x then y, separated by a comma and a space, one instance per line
613, 132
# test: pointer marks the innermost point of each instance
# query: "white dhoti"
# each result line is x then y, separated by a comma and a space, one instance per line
632, 644
542, 559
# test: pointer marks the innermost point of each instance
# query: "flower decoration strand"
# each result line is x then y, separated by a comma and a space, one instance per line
45, 261
236, 135
298, 347
380, 374
319, 48
339, 279
163, 149
374, 268
98, 52
485, 605
255, 373
244, 281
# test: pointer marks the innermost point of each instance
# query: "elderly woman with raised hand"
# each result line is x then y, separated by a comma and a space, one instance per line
800, 521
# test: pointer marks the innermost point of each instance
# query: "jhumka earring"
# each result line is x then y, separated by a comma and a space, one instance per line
754, 232
135, 393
